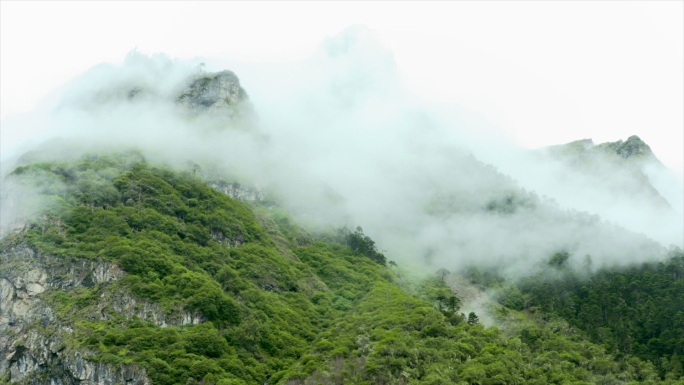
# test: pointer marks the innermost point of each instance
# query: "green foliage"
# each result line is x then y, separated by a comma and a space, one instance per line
364, 245
277, 304
559, 259
434, 290
637, 310
510, 203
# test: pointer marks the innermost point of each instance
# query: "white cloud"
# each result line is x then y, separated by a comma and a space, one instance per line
346, 142
546, 72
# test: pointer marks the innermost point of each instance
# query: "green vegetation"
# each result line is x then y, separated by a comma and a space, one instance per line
362, 244
278, 304
637, 310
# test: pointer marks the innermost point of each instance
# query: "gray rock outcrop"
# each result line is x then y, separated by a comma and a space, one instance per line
214, 92
35, 343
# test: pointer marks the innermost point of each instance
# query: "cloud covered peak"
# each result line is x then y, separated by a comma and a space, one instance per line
340, 142
632, 147
357, 65
154, 81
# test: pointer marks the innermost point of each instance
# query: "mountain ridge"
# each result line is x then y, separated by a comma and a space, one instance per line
168, 265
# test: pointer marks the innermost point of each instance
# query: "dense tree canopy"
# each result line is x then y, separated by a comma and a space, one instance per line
280, 305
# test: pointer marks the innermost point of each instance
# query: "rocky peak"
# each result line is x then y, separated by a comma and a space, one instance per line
633, 146
159, 82
219, 91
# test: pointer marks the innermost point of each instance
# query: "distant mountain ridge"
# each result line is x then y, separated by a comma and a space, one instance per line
621, 167
633, 148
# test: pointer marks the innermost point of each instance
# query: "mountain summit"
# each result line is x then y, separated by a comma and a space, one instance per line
213, 91
632, 147
157, 82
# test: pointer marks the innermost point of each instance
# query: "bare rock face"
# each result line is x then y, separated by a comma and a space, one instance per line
633, 150
33, 348
56, 365
34, 341
206, 94
214, 92
239, 192
632, 147
146, 83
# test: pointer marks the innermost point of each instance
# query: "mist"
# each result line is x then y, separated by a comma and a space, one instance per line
338, 141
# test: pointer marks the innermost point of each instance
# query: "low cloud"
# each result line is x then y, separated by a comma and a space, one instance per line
338, 141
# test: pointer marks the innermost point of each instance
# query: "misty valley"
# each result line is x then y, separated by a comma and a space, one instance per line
324, 226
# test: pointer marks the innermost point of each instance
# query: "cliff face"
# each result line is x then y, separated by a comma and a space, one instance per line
36, 338
239, 192
632, 147
34, 342
216, 92
144, 84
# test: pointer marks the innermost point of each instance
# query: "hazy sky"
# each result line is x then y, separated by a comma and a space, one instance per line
544, 72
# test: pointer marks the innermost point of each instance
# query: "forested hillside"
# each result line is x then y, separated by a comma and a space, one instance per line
637, 310
215, 291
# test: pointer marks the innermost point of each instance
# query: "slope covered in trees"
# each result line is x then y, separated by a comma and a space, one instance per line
269, 302
637, 310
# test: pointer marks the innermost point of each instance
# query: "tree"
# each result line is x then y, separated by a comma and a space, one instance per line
473, 318
453, 304
363, 244
559, 259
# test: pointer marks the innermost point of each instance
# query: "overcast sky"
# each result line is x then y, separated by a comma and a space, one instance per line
543, 72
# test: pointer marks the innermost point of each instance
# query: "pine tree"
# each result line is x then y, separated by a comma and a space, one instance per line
473, 318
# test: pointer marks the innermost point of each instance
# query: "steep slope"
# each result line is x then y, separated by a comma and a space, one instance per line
622, 182
349, 148
160, 265
636, 310
139, 274
35, 339
618, 167
185, 249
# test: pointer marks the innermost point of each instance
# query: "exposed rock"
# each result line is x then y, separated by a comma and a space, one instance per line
217, 92
122, 303
632, 147
239, 192
159, 82
210, 94
33, 340
97, 373
39, 360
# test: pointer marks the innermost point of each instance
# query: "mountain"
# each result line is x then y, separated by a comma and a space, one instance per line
633, 149
619, 167
177, 231
620, 181
140, 274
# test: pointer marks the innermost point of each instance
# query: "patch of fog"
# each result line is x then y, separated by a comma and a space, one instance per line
339, 142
